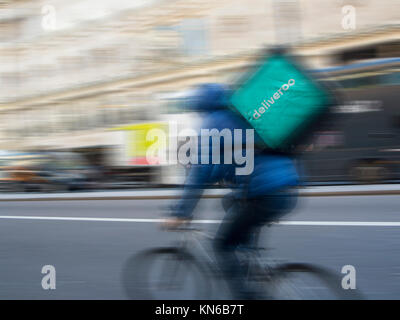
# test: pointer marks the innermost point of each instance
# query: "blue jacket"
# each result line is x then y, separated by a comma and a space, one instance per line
271, 172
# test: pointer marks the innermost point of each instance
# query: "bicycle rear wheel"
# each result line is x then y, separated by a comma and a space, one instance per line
164, 273
298, 281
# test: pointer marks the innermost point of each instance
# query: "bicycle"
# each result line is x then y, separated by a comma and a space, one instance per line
281, 280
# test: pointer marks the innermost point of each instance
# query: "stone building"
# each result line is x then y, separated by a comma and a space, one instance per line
71, 70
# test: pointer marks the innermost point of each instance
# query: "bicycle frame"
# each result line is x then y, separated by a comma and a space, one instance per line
190, 236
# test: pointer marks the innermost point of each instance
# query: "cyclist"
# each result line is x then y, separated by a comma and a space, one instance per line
263, 195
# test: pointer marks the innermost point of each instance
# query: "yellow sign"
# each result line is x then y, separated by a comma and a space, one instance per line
138, 141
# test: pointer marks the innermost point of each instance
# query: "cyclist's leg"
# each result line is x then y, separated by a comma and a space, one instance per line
242, 220
234, 231
228, 201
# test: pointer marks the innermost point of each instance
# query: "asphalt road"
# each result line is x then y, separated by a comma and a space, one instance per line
88, 254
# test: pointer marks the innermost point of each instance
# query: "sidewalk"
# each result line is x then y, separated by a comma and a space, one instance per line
315, 191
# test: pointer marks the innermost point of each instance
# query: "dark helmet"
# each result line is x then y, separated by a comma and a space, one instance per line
208, 97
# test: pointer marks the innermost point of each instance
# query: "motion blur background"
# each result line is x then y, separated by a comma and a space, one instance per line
81, 82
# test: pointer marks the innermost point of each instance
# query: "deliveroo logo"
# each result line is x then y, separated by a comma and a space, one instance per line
267, 103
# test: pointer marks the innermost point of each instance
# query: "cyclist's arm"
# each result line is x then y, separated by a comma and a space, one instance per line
200, 176
196, 181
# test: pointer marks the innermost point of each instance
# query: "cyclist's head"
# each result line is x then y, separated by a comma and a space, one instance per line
208, 97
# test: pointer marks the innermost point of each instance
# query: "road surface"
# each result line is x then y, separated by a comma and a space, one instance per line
88, 241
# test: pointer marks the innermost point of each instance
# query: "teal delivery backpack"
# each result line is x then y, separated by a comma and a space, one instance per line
282, 102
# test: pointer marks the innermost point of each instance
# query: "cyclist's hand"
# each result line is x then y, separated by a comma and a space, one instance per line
173, 223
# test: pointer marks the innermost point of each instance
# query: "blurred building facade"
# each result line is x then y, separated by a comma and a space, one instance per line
71, 70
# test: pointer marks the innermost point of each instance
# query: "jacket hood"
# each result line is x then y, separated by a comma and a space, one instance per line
208, 97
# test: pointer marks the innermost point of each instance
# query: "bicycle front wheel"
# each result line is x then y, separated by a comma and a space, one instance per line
164, 274
298, 281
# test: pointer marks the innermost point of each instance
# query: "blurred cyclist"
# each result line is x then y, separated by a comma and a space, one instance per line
257, 198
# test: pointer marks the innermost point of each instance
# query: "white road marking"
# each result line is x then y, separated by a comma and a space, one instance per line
343, 223
155, 220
